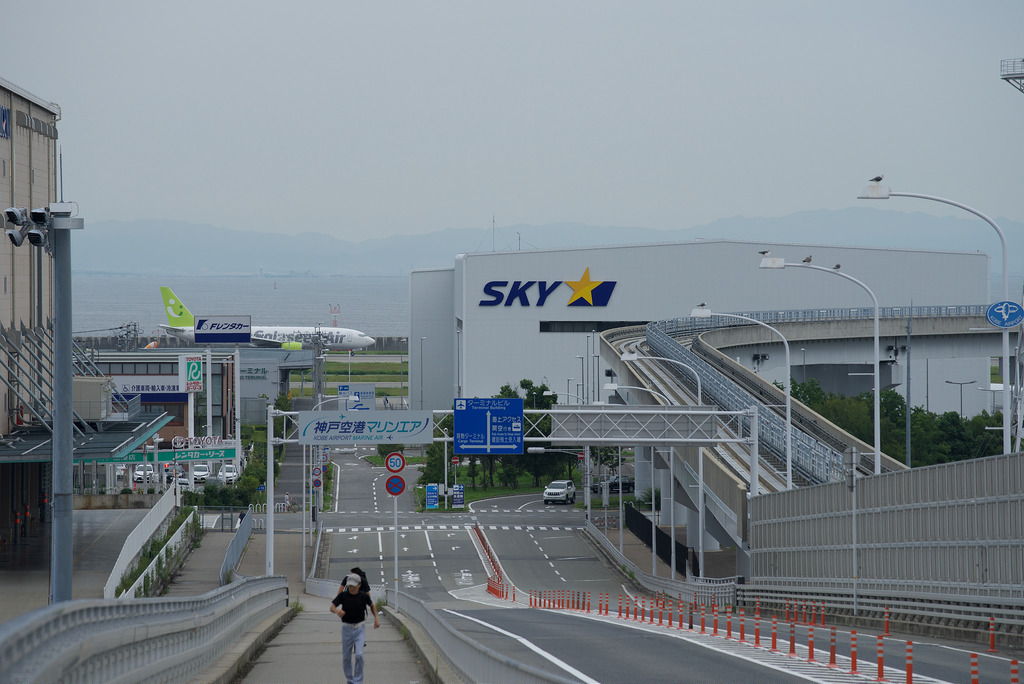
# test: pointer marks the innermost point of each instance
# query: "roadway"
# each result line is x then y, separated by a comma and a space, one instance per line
545, 548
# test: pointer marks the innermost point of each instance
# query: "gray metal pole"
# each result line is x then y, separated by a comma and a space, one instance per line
63, 463
270, 488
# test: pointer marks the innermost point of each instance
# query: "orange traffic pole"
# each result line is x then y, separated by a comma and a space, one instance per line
910, 662
1014, 672
853, 651
886, 622
757, 630
743, 626
881, 662
775, 629
992, 634
792, 639
810, 644
832, 649
974, 668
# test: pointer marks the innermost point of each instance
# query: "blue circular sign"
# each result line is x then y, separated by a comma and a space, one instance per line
395, 485
1005, 314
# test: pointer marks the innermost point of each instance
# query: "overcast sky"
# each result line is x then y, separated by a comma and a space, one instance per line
371, 119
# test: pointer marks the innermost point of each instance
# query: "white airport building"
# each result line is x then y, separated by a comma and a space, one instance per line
499, 317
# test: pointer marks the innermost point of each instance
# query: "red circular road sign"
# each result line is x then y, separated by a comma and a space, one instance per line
395, 462
455, 460
317, 483
316, 471
395, 485
580, 456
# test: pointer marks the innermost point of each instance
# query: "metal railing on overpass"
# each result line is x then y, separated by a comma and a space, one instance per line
135, 640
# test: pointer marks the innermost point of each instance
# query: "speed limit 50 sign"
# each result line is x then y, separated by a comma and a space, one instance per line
395, 462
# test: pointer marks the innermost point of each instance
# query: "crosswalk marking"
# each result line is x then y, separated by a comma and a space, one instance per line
391, 528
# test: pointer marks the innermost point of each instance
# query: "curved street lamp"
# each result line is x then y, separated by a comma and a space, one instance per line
636, 357
877, 191
776, 262
701, 312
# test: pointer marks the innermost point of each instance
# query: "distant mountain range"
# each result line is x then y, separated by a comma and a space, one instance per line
161, 247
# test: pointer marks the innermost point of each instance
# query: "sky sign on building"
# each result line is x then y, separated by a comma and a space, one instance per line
365, 427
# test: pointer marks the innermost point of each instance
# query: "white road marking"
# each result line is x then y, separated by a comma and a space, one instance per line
533, 647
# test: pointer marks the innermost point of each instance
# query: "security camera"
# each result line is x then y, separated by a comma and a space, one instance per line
16, 235
36, 236
40, 215
16, 215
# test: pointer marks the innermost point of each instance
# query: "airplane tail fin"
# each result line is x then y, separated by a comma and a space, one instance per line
178, 315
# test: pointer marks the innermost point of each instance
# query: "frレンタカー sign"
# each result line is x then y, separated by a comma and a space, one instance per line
365, 427
223, 329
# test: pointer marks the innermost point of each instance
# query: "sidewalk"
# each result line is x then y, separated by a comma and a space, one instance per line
307, 647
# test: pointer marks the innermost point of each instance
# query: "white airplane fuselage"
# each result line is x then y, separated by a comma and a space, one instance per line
291, 337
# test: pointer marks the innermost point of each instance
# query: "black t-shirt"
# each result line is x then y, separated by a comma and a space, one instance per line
354, 605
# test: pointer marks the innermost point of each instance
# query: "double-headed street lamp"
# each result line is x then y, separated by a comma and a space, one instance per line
702, 312
632, 356
877, 191
776, 262
966, 382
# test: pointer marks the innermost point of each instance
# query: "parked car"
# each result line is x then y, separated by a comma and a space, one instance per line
200, 471
144, 473
616, 483
560, 491
228, 474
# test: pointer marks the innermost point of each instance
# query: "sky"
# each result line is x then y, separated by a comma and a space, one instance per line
372, 119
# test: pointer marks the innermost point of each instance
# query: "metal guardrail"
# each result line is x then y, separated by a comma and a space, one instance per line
471, 659
701, 590
128, 641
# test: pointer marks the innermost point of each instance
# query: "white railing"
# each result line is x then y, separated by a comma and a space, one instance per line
142, 533
163, 559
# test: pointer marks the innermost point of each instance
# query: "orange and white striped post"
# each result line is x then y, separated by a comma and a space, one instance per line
803, 607
714, 617
974, 668
814, 610
743, 626
775, 631
910, 662
853, 651
728, 622
792, 639
886, 621
702, 619
1014, 672
757, 629
832, 649
822, 613
810, 643
992, 634
881, 662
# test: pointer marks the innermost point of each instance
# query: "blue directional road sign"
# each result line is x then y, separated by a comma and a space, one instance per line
486, 426
1005, 314
431, 496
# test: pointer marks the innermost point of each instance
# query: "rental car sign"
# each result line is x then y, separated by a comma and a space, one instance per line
223, 329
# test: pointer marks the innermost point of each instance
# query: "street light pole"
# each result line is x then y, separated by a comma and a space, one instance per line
775, 263
966, 382
882, 192
636, 357
701, 312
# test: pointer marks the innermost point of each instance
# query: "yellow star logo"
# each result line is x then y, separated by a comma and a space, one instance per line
583, 288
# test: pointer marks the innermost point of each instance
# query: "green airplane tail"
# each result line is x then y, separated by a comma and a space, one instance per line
178, 315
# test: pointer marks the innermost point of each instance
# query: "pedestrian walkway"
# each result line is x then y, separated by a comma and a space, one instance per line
308, 646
